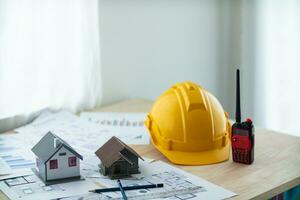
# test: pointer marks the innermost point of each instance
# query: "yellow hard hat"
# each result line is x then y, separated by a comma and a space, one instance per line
189, 126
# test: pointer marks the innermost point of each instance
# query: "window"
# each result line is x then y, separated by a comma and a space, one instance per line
72, 161
62, 154
53, 164
54, 56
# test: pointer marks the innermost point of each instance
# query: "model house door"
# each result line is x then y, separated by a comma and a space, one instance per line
120, 168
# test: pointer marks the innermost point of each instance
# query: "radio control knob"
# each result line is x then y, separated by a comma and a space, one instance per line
249, 121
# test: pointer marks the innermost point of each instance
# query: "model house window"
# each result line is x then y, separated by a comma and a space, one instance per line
72, 161
53, 164
62, 154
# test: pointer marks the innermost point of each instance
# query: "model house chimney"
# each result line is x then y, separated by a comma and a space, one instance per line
56, 142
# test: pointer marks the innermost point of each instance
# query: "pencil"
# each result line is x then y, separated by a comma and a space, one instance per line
122, 191
135, 187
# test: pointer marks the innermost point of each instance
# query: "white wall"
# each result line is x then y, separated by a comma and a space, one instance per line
146, 46
63, 170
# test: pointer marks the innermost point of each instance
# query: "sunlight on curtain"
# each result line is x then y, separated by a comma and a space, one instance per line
49, 55
278, 48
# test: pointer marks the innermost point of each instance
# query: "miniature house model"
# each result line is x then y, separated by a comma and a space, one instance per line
56, 159
117, 159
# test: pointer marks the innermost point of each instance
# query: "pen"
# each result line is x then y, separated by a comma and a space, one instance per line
135, 187
122, 191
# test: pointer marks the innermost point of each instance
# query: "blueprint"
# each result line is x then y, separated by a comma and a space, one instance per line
67, 126
15, 156
129, 127
29, 187
86, 134
82, 132
4, 167
178, 185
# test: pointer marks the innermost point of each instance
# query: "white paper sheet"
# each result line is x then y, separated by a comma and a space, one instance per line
75, 131
129, 127
81, 133
178, 184
151, 172
86, 136
15, 156
31, 187
175, 182
175, 179
4, 167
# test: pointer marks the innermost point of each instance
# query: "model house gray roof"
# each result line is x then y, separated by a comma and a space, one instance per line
111, 151
46, 147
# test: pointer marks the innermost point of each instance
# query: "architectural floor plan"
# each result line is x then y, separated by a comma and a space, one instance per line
31, 187
81, 133
178, 185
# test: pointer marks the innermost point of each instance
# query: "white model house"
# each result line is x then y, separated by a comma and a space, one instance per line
56, 159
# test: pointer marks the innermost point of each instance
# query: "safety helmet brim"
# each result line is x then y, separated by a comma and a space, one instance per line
197, 158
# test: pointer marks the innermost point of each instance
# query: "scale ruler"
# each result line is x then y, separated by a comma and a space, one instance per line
165, 194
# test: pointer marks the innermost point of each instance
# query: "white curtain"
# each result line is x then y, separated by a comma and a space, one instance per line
271, 56
49, 55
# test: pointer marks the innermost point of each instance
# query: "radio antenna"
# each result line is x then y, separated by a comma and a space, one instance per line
238, 104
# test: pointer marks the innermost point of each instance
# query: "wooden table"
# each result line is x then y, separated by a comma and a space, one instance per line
276, 167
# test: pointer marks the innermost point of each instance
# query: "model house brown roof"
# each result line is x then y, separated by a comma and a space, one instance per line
111, 151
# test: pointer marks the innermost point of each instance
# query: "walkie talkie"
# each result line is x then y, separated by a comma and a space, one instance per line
242, 135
